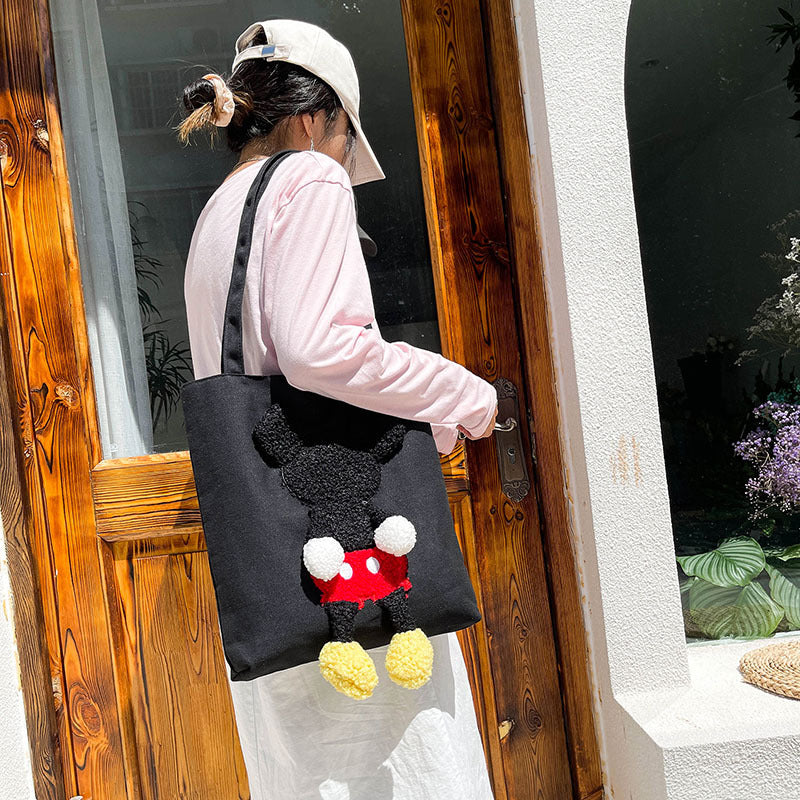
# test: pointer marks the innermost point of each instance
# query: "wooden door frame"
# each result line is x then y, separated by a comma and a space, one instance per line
523, 224
53, 474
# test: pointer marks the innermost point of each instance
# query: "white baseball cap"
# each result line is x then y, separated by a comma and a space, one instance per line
314, 49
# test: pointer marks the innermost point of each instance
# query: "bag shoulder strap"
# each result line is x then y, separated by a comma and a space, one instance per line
232, 351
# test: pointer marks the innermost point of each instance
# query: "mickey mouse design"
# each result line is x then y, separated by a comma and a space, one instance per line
354, 551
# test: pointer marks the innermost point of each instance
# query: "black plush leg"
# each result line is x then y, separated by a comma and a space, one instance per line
396, 604
342, 619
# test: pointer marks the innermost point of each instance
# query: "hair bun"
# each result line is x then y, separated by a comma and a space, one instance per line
198, 93
210, 104
224, 104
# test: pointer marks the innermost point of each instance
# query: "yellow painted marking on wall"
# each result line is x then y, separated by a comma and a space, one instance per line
626, 468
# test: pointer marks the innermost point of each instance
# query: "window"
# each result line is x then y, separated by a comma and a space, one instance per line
137, 193
147, 96
714, 129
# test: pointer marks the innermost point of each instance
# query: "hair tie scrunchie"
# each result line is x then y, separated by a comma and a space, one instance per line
223, 102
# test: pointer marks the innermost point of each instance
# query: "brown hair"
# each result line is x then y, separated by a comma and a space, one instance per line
265, 93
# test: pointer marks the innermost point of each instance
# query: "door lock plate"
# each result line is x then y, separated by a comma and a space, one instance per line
508, 441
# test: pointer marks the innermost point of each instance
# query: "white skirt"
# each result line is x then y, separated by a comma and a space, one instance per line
303, 740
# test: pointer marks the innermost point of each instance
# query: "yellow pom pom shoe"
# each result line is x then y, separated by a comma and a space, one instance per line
409, 659
348, 668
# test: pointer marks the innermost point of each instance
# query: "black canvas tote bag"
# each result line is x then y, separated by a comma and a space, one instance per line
255, 527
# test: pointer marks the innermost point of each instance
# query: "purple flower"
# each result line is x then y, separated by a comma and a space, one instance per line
773, 448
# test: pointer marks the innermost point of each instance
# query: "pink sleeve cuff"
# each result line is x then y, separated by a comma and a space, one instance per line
488, 403
445, 437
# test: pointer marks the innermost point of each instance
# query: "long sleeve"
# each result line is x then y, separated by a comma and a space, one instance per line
318, 300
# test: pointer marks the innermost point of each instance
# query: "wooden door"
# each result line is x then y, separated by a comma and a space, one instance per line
142, 708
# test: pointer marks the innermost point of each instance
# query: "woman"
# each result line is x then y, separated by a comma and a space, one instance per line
308, 313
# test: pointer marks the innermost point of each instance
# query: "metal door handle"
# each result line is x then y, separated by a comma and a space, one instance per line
508, 440
508, 425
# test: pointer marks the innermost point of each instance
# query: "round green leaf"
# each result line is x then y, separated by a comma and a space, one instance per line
790, 552
740, 613
784, 586
734, 563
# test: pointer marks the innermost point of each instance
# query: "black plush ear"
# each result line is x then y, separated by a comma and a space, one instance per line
389, 444
275, 440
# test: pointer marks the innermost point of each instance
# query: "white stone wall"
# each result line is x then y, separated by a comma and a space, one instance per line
675, 722
16, 780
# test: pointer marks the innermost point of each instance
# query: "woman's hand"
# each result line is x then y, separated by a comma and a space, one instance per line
488, 432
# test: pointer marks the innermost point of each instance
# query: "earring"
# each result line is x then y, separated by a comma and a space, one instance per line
312, 144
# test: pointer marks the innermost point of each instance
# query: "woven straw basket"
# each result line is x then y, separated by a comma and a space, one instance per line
775, 668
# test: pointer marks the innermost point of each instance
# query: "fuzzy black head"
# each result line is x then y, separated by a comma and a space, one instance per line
328, 472
324, 473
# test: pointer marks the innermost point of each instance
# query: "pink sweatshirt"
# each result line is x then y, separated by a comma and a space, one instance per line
307, 299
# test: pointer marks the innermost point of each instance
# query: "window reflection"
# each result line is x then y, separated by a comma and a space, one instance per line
713, 125
122, 66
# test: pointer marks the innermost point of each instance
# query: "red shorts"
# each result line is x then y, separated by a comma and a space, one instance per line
368, 574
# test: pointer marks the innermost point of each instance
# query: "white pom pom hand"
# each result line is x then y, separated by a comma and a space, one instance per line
323, 557
395, 535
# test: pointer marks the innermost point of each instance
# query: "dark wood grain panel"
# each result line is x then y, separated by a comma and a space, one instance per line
475, 646
476, 304
540, 382
154, 495
155, 547
11, 149
48, 385
69, 247
28, 616
178, 685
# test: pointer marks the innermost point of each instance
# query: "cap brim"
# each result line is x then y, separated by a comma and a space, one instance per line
366, 167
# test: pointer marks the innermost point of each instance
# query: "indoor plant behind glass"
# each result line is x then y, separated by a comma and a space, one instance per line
749, 586
168, 364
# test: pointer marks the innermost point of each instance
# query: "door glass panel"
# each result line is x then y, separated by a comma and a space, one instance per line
137, 193
714, 120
